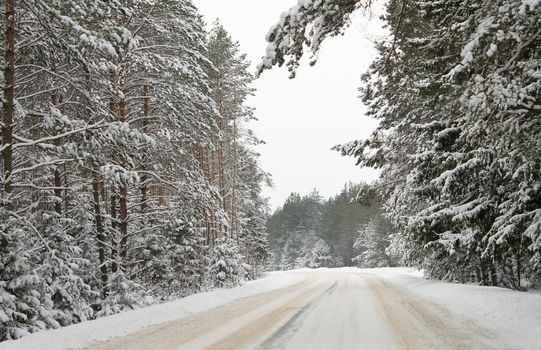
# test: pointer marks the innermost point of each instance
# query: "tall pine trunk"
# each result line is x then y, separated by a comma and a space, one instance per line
123, 191
114, 226
97, 187
66, 186
57, 191
57, 181
9, 102
144, 178
123, 221
221, 161
114, 197
234, 186
100, 234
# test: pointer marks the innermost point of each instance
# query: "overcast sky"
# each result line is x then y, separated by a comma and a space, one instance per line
301, 119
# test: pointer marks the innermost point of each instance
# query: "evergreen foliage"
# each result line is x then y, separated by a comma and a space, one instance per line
308, 231
456, 91
114, 135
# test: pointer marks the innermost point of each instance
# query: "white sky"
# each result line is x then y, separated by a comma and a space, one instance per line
301, 119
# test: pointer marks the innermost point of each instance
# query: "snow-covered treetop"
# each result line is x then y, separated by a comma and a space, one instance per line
306, 24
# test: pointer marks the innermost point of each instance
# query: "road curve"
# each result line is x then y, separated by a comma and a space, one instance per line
327, 310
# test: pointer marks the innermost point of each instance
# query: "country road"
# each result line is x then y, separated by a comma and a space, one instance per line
328, 310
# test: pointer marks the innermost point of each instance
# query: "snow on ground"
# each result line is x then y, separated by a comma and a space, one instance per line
512, 319
516, 316
84, 334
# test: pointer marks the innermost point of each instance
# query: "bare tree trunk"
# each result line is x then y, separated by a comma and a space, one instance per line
519, 268
9, 100
57, 192
482, 275
221, 163
123, 224
57, 180
97, 187
100, 234
493, 275
114, 198
234, 186
221, 172
66, 186
123, 191
144, 179
210, 239
114, 225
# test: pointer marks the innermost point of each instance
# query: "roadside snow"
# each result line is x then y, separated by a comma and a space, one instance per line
515, 316
85, 334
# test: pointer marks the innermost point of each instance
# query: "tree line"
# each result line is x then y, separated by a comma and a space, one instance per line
456, 89
310, 232
128, 172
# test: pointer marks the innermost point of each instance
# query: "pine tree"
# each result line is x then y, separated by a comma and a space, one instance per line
457, 99
321, 255
108, 125
226, 268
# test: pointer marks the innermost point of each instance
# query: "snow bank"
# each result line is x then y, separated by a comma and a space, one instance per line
84, 334
516, 316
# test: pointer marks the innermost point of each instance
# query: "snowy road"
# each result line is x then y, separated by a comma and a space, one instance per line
327, 309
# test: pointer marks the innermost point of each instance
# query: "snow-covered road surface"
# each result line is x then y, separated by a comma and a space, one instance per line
331, 309
328, 309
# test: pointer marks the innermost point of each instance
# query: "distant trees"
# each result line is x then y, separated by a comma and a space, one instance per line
292, 230
456, 91
341, 219
112, 127
310, 232
321, 255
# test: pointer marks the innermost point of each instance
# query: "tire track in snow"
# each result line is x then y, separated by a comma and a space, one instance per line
201, 330
420, 324
247, 337
347, 317
327, 311
279, 338
157, 337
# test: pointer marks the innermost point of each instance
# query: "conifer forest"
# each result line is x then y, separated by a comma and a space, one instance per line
127, 170
131, 176
457, 91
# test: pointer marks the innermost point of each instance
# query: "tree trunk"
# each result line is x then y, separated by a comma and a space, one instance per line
144, 179
100, 235
483, 278
123, 224
9, 100
519, 269
493, 275
66, 186
57, 181
221, 161
123, 191
57, 192
114, 225
114, 197
234, 186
